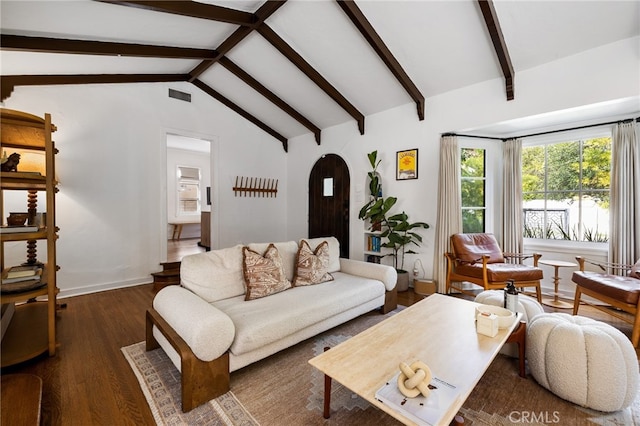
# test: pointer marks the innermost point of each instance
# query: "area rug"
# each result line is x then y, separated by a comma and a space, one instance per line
285, 390
160, 383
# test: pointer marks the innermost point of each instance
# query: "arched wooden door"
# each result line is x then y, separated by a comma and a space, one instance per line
329, 185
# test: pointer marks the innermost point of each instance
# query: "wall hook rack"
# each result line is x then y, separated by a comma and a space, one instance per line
259, 187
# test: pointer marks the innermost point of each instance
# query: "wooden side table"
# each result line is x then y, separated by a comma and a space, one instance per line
555, 301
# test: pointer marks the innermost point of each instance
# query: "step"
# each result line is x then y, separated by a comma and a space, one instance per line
170, 265
164, 276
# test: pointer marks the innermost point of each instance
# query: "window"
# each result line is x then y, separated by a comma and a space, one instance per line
473, 189
188, 191
566, 189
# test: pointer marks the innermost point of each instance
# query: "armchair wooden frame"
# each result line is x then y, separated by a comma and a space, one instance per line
633, 309
484, 282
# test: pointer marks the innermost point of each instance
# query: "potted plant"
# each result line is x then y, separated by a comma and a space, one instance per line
375, 188
395, 228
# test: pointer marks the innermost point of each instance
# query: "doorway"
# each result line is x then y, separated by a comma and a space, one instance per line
329, 186
187, 205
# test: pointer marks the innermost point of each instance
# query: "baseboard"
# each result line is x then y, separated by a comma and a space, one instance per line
96, 288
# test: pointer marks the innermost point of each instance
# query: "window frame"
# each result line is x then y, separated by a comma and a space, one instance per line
492, 172
180, 181
565, 246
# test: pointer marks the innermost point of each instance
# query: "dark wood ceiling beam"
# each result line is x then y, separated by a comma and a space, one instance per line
9, 82
90, 47
231, 105
266, 10
369, 33
231, 41
493, 26
311, 73
192, 9
258, 87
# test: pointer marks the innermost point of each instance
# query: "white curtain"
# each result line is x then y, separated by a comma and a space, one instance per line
624, 210
449, 219
512, 240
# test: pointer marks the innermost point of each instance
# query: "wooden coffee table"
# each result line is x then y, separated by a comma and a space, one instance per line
439, 331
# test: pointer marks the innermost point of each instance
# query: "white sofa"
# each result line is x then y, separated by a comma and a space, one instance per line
208, 329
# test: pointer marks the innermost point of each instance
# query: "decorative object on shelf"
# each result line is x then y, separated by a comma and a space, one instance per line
414, 379
17, 219
260, 187
396, 228
407, 164
10, 164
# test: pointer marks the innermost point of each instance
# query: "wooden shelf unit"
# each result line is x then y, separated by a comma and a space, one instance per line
32, 328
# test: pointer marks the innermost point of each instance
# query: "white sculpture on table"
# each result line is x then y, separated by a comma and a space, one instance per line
414, 379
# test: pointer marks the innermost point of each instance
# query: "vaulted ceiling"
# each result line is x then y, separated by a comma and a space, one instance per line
297, 67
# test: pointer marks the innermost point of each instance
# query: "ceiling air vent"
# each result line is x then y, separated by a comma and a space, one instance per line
176, 94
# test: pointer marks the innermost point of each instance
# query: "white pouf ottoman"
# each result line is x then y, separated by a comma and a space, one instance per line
585, 361
527, 306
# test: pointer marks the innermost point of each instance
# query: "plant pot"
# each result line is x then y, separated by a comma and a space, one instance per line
403, 281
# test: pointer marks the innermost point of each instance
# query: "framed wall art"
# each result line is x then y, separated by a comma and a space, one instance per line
407, 164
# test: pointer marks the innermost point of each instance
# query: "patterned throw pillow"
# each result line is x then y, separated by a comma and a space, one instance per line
311, 267
263, 274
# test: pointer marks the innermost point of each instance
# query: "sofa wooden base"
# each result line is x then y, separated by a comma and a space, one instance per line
390, 301
202, 381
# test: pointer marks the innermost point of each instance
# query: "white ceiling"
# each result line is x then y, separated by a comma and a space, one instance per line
442, 45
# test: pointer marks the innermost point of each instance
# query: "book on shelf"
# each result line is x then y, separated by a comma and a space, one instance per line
18, 279
372, 258
8, 229
22, 271
373, 243
422, 410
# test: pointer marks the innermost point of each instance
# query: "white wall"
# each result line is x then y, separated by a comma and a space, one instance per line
111, 164
607, 73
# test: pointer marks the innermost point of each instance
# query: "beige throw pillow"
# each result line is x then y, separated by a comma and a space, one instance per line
263, 274
312, 267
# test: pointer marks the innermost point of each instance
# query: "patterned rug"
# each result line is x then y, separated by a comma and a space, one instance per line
285, 390
160, 383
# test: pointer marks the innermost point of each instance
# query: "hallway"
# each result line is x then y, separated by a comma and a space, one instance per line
177, 249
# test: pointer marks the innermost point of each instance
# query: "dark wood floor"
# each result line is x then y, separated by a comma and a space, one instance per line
89, 382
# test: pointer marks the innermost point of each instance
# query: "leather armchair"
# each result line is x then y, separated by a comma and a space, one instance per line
617, 285
478, 259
